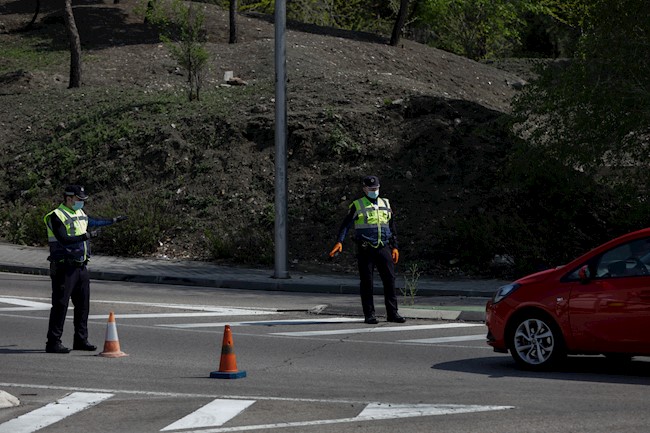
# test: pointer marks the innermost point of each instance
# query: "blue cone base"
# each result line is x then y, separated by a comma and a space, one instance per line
224, 375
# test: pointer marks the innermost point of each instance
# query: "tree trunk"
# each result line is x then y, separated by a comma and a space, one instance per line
233, 22
149, 11
399, 22
75, 46
38, 9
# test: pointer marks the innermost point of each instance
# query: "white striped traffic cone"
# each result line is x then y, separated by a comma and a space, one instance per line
112, 343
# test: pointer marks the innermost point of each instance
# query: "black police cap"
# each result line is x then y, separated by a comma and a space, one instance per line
371, 181
77, 190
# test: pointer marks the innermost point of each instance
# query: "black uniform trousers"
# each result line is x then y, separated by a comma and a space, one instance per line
368, 258
69, 281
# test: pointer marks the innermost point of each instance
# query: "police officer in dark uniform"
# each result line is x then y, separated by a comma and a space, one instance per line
376, 241
68, 234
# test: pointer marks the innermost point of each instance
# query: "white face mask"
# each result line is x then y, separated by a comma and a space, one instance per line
77, 205
373, 194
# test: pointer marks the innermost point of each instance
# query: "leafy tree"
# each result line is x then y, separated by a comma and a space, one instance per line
477, 29
345, 14
574, 13
183, 33
593, 112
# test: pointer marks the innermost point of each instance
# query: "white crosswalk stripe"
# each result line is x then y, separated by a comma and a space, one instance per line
53, 412
23, 305
264, 323
207, 312
438, 340
379, 329
176, 315
372, 412
213, 414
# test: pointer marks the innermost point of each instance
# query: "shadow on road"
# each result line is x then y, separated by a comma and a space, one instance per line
581, 368
15, 349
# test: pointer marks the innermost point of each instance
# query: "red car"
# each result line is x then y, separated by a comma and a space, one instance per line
597, 304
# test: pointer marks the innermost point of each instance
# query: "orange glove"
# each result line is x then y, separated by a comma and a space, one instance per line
395, 255
338, 247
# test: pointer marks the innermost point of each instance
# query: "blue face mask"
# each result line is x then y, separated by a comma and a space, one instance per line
373, 194
77, 205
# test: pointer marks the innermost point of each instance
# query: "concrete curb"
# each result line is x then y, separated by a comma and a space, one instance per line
453, 315
23, 269
33, 261
244, 283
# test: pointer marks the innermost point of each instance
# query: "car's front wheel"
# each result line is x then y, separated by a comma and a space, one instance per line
536, 343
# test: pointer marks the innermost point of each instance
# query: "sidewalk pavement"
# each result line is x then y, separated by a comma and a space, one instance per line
461, 299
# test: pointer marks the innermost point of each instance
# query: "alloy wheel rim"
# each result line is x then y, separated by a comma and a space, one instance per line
534, 341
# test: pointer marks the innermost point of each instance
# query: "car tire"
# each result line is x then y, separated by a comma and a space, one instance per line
536, 342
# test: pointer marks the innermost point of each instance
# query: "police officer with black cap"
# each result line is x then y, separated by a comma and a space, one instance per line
68, 230
376, 241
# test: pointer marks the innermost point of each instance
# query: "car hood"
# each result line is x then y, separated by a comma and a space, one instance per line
538, 276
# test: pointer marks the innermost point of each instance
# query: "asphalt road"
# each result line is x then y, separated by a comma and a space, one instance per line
305, 372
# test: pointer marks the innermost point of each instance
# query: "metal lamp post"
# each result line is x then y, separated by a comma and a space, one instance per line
280, 141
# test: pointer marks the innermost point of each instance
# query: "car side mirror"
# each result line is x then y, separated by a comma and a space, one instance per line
584, 274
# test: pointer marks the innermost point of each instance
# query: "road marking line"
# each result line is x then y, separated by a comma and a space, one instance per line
53, 412
185, 306
447, 339
373, 412
178, 394
376, 411
377, 329
23, 305
23, 301
266, 323
215, 413
223, 312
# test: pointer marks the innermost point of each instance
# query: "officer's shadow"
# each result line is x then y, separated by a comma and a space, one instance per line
15, 349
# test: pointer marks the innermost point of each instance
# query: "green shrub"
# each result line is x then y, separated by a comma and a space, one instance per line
411, 281
150, 219
248, 247
341, 143
183, 32
219, 246
539, 214
23, 223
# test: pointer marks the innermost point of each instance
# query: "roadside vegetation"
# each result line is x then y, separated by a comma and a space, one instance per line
481, 187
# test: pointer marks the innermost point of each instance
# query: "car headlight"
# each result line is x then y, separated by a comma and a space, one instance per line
504, 291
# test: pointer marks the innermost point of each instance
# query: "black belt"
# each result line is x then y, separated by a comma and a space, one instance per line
366, 244
72, 263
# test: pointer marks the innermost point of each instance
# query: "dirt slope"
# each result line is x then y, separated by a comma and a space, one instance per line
424, 120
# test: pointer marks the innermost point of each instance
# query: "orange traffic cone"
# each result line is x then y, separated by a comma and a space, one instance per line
112, 343
228, 363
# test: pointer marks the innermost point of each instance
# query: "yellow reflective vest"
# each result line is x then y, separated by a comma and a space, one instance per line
76, 224
371, 221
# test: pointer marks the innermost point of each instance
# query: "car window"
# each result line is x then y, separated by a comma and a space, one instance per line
573, 275
630, 259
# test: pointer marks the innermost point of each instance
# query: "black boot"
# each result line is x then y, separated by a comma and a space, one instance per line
56, 347
84, 345
371, 320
